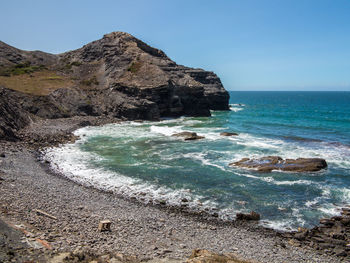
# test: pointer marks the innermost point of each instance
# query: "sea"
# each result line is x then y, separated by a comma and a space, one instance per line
144, 161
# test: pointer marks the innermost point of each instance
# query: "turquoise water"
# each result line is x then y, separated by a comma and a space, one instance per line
143, 160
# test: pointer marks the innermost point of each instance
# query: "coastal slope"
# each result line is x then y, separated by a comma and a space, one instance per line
118, 76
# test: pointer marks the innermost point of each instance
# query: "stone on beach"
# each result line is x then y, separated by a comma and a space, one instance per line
269, 163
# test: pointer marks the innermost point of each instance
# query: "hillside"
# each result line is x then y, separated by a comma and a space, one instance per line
117, 76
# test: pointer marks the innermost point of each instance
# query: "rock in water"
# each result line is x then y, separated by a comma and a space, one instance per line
188, 136
269, 163
228, 134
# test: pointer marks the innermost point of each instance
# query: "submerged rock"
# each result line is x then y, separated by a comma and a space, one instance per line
269, 163
188, 136
229, 134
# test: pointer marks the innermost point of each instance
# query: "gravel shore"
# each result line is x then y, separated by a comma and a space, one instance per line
145, 231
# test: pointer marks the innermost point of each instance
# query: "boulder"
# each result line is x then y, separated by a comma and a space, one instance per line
252, 216
229, 134
269, 163
188, 136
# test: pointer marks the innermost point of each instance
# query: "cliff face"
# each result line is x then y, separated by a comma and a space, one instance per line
118, 75
12, 116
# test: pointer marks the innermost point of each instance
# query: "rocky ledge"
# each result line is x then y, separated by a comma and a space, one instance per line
332, 236
269, 163
118, 76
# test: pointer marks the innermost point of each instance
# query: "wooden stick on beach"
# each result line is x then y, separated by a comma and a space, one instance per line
40, 212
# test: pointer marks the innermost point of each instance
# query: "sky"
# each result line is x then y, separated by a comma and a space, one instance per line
249, 44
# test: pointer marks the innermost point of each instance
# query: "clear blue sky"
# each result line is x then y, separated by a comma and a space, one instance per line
250, 44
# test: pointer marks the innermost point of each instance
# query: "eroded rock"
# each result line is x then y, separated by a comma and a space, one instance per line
332, 236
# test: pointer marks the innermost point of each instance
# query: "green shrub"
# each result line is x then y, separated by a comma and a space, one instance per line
76, 63
19, 69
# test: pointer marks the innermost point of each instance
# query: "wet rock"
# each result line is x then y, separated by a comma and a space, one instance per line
247, 217
228, 134
269, 163
326, 222
188, 136
331, 236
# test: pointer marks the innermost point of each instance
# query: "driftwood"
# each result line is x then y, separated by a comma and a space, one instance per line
104, 225
40, 212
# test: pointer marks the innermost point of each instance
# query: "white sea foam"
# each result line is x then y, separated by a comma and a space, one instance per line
271, 180
235, 109
205, 161
165, 130
76, 165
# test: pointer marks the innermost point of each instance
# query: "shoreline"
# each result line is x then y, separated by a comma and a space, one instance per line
144, 230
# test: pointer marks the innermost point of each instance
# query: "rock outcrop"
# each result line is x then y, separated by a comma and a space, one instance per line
117, 76
332, 236
269, 163
12, 117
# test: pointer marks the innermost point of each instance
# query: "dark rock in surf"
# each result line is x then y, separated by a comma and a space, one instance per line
188, 136
228, 134
332, 236
269, 163
252, 216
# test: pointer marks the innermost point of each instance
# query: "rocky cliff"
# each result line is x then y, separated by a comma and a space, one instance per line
118, 76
